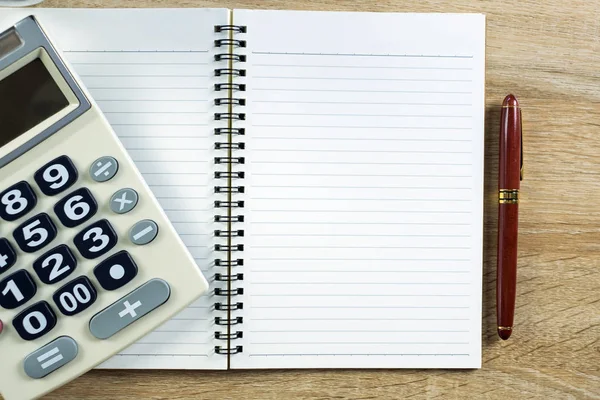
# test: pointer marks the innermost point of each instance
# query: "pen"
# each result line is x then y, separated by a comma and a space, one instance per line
509, 183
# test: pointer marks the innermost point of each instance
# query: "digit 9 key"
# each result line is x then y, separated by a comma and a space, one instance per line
89, 262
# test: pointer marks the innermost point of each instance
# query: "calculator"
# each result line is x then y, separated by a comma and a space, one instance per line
89, 262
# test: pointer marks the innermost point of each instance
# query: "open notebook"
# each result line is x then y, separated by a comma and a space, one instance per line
325, 170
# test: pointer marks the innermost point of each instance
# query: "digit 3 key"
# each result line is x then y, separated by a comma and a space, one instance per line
89, 262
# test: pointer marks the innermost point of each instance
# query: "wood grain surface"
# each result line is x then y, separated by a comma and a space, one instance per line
548, 54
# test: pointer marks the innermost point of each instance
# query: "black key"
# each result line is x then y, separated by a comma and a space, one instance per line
17, 289
96, 240
56, 176
116, 271
35, 321
55, 265
8, 257
76, 296
35, 233
76, 208
17, 201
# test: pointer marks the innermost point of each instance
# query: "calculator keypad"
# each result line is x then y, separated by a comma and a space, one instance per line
56, 176
96, 240
60, 261
8, 257
55, 265
17, 289
76, 296
35, 321
17, 201
35, 233
116, 271
76, 208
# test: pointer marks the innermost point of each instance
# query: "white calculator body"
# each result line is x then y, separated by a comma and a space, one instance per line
89, 262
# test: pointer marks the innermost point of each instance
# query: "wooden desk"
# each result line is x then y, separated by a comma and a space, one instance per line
548, 54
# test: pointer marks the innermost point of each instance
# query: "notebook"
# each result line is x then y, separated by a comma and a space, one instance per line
325, 169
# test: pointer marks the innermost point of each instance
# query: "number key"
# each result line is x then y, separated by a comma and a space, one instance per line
17, 201
35, 233
76, 296
35, 321
8, 257
76, 208
56, 176
96, 240
16, 289
55, 265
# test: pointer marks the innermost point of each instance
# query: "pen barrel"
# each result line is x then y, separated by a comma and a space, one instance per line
506, 279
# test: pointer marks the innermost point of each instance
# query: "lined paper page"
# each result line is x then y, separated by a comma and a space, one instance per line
364, 191
150, 72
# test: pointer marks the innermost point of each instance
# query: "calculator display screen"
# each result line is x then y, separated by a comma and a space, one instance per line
27, 97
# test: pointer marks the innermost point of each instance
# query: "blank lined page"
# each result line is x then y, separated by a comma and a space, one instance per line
364, 195
150, 73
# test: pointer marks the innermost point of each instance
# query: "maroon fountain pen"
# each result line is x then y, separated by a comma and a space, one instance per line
509, 183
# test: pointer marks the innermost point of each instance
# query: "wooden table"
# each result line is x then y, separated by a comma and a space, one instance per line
548, 54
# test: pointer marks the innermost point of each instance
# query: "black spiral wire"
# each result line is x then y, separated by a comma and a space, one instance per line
229, 210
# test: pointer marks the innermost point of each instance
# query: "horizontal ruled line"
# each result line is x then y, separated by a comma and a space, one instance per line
138, 63
354, 199
361, 103
356, 307
350, 235
363, 55
362, 151
351, 343
362, 115
362, 67
360, 295
363, 223
348, 271
143, 76
365, 127
352, 163
353, 354
137, 51
362, 283
362, 79
361, 187
360, 139
356, 91
360, 319
357, 331
361, 259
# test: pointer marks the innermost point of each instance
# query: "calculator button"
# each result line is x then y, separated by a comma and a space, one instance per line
50, 357
8, 257
143, 232
56, 176
55, 265
17, 289
17, 201
116, 271
104, 169
76, 296
76, 208
35, 233
96, 240
35, 321
130, 308
123, 201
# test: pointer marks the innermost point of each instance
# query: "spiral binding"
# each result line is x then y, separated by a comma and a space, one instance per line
232, 185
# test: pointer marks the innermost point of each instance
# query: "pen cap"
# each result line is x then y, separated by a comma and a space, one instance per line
510, 144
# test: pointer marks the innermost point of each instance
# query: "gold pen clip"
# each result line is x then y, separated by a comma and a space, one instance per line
521, 119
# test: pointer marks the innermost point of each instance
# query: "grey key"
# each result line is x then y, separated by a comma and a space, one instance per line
123, 201
104, 169
143, 232
50, 357
130, 308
